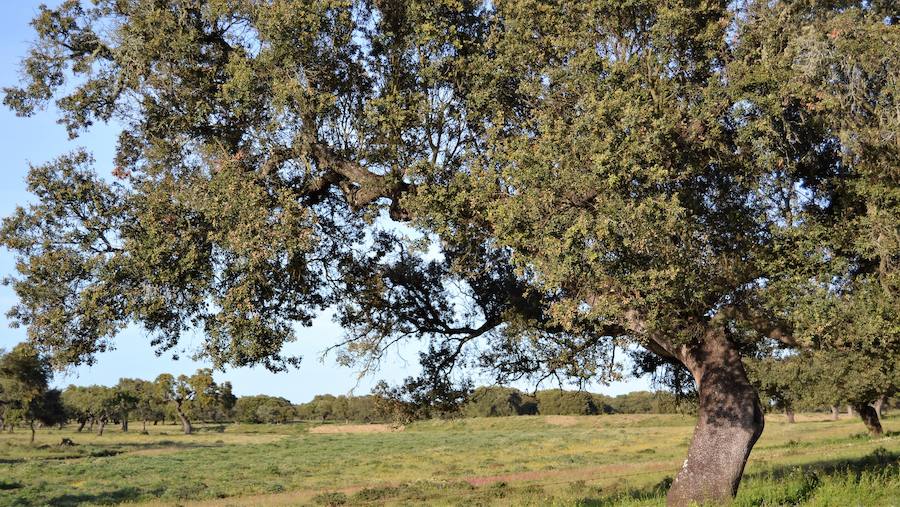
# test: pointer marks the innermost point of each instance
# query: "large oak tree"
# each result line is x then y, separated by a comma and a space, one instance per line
587, 174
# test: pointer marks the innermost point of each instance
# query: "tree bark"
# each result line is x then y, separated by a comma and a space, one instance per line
91, 426
850, 410
125, 424
730, 422
100, 425
31, 425
789, 413
81, 424
870, 418
185, 423
879, 405
835, 413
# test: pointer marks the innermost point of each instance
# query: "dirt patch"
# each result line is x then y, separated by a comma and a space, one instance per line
563, 420
355, 428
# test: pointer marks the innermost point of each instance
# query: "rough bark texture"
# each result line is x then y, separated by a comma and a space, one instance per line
730, 422
185, 423
879, 405
870, 418
835, 413
789, 413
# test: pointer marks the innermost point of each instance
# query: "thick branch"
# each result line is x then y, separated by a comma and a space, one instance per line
360, 186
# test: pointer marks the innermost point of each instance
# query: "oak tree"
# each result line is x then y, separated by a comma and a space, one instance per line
579, 176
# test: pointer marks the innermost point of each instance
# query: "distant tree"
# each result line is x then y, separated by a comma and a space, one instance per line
263, 409
106, 405
179, 393
781, 381
647, 402
49, 409
78, 405
423, 397
149, 404
562, 402
859, 379
24, 379
498, 401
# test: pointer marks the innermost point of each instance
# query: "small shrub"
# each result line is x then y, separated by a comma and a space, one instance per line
330, 499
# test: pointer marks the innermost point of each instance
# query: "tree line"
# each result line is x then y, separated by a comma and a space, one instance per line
26, 397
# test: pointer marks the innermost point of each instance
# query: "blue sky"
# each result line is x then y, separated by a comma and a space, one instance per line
38, 139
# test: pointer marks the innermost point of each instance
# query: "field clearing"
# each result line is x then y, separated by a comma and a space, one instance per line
525, 460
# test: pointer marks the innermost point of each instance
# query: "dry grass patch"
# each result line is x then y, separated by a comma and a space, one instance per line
563, 420
355, 428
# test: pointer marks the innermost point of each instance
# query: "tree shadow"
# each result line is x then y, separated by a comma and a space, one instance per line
877, 460
111, 497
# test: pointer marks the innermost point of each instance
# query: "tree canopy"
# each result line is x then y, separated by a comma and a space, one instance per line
688, 176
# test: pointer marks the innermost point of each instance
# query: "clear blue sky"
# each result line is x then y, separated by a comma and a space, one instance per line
38, 139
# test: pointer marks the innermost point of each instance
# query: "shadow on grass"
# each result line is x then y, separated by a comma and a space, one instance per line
112, 497
876, 461
806, 479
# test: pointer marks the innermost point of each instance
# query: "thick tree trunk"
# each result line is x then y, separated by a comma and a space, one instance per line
879, 405
730, 422
789, 413
870, 418
850, 410
81, 424
31, 425
835, 413
125, 424
91, 426
185, 423
100, 425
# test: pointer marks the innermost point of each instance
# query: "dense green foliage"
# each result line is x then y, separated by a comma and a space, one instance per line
693, 177
263, 409
24, 390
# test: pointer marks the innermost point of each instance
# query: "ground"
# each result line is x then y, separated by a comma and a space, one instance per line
527, 460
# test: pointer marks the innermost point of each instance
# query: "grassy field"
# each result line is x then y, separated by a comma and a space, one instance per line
552, 460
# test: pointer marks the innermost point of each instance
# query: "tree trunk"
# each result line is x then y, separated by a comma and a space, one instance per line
125, 424
879, 405
870, 418
789, 413
100, 425
835, 413
91, 426
145, 426
81, 424
850, 410
31, 425
730, 422
185, 423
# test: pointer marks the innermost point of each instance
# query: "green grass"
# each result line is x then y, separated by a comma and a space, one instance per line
601, 460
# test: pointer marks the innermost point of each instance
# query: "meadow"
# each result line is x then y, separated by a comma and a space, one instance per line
526, 460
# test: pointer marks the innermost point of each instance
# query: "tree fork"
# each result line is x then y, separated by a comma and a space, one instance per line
730, 422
